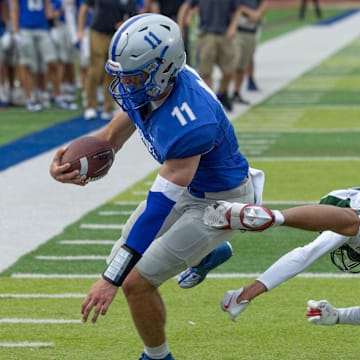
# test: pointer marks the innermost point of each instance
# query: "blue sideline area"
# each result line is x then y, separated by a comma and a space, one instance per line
44, 140
39, 142
339, 17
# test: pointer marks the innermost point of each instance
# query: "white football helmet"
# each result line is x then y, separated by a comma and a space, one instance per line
150, 46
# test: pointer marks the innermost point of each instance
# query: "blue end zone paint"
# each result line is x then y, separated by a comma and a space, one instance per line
54, 136
339, 17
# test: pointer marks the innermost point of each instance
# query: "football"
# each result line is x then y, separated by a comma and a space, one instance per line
92, 156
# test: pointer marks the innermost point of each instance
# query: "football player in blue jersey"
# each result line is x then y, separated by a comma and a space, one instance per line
185, 128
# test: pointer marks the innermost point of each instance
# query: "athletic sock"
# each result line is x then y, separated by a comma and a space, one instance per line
158, 352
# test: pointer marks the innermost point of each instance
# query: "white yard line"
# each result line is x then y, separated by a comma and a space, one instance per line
102, 226
33, 207
26, 344
87, 242
42, 296
210, 276
38, 321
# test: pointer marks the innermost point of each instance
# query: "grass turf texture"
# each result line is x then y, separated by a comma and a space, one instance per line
300, 135
273, 327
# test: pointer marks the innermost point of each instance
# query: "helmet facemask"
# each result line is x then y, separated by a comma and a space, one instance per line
134, 95
346, 259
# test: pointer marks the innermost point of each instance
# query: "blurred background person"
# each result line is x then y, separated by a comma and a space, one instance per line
171, 9
303, 6
217, 23
108, 15
79, 41
65, 50
36, 51
251, 13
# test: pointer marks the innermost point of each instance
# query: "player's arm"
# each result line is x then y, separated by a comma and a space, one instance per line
254, 15
70, 19
182, 16
232, 28
14, 15
172, 180
285, 268
174, 176
50, 12
119, 129
81, 20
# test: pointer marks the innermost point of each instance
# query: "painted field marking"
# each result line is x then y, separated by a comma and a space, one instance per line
140, 192
54, 276
102, 226
26, 344
42, 296
122, 203
214, 276
87, 242
71, 258
111, 213
38, 321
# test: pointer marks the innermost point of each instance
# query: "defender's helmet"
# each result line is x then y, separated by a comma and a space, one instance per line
150, 47
346, 259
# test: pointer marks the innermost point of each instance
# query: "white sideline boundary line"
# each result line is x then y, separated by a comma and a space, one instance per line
41, 296
210, 276
38, 321
102, 226
54, 276
26, 344
87, 242
112, 213
71, 258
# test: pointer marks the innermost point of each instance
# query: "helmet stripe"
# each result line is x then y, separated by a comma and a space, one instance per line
123, 29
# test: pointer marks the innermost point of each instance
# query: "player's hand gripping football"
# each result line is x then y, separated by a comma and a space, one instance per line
59, 171
322, 313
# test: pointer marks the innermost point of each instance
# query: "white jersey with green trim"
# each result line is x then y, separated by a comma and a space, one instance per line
297, 260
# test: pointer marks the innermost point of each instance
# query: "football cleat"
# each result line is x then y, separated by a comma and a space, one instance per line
322, 313
225, 215
145, 357
195, 275
230, 305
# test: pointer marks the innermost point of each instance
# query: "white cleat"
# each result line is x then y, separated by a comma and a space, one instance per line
229, 304
225, 215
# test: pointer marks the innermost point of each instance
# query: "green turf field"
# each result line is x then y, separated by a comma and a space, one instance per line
305, 138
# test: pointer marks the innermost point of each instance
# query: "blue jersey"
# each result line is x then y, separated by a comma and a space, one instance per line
2, 24
191, 122
57, 5
32, 14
